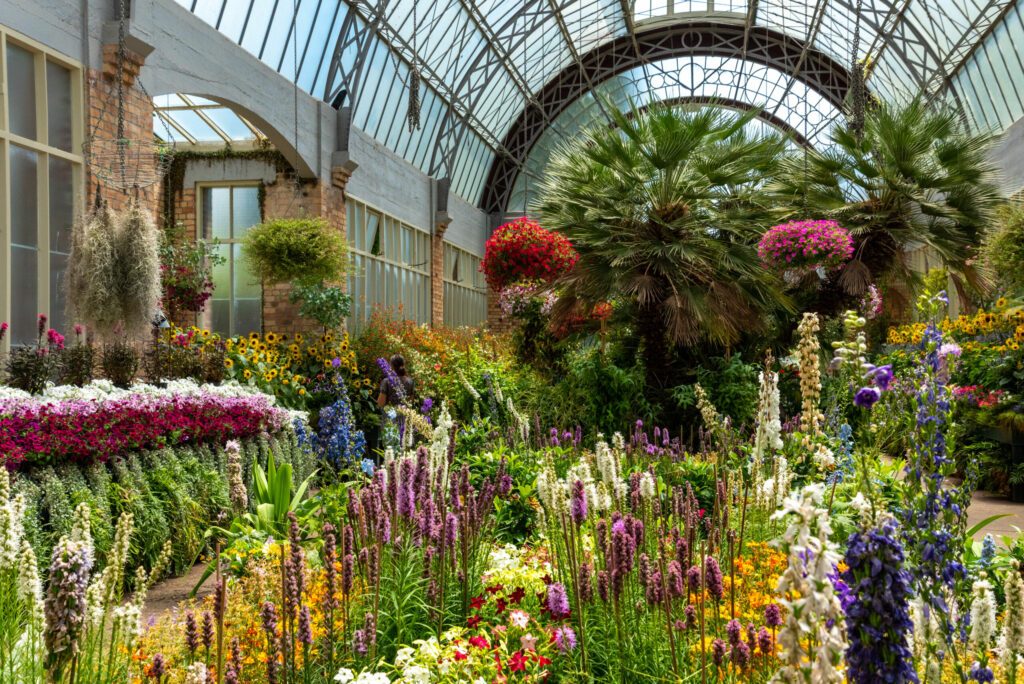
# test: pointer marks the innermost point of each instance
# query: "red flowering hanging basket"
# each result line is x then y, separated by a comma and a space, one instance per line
522, 250
805, 246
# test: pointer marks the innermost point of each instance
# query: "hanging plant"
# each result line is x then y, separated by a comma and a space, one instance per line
114, 270
305, 251
804, 246
522, 250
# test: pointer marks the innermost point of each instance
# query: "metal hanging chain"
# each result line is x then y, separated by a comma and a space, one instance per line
413, 113
526, 105
122, 48
295, 87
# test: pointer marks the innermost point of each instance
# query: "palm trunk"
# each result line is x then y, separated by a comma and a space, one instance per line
651, 328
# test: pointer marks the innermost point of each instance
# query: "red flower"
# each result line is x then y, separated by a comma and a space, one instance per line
479, 642
523, 250
517, 596
459, 655
473, 621
517, 663
541, 660
494, 589
477, 602
501, 606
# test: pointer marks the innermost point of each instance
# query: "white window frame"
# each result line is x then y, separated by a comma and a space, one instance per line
44, 152
207, 315
465, 297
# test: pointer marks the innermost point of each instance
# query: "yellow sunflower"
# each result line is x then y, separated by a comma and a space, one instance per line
228, 363
247, 374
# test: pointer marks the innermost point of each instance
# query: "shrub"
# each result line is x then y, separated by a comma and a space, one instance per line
120, 362
306, 251
1003, 248
76, 364
328, 305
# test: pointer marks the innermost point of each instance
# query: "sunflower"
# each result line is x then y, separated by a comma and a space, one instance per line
270, 337
366, 382
302, 391
1001, 302
228, 363
254, 336
298, 337
247, 374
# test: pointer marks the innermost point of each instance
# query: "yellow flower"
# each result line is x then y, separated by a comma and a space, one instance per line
228, 363
1001, 302
247, 374
302, 391
298, 337
366, 381
254, 336
270, 337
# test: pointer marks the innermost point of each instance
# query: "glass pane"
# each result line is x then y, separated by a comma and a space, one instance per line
246, 285
24, 295
248, 316
221, 316
62, 204
21, 83
246, 210
217, 213
24, 197
58, 103
222, 276
58, 293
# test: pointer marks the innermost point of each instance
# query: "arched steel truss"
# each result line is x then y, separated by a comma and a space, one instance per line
765, 47
497, 70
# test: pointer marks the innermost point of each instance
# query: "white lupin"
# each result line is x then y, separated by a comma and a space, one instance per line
1011, 641
983, 614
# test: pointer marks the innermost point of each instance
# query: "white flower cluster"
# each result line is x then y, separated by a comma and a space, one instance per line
347, 676
813, 611
522, 424
439, 443
983, 613
19, 579
850, 351
768, 437
1011, 641
601, 494
774, 490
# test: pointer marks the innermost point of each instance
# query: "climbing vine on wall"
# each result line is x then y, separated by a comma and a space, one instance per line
174, 180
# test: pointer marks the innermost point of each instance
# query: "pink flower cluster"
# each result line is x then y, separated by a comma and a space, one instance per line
806, 245
39, 432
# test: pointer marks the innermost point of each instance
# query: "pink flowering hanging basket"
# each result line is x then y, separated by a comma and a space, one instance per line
804, 246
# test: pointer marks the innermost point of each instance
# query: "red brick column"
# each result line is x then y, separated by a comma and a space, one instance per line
437, 272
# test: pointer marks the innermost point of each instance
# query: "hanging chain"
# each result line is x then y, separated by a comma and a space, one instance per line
122, 48
526, 105
295, 87
413, 113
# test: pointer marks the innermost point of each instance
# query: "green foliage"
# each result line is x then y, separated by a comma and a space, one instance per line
1003, 249
328, 305
636, 200
304, 251
76, 364
731, 384
120, 362
915, 177
29, 368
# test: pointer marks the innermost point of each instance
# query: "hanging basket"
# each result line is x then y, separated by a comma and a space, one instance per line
798, 248
125, 164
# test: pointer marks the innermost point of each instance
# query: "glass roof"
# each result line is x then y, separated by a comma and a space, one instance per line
482, 61
193, 120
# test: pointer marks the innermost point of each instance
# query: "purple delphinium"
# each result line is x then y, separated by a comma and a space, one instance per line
877, 611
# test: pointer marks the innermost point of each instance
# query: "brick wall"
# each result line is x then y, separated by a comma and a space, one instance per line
437, 275
102, 123
496, 320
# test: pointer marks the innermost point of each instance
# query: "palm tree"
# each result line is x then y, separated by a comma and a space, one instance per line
914, 178
664, 208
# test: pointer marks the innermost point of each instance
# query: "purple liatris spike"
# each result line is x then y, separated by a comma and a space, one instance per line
772, 615
347, 569
676, 584
268, 618
158, 668
718, 651
207, 630
713, 578
558, 601
359, 644
691, 616
764, 641
603, 585
191, 633
305, 627
693, 578
654, 590
734, 631
565, 638
583, 583
370, 627
741, 654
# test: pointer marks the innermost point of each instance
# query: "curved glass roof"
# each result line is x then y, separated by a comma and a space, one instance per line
482, 61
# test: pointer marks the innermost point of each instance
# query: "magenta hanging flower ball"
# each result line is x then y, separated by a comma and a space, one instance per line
805, 245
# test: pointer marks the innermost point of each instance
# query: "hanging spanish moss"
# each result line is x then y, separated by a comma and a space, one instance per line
858, 87
414, 100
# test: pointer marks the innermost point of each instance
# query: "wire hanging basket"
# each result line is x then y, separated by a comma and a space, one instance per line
122, 162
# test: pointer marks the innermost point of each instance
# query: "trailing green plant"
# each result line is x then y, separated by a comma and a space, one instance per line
306, 251
731, 384
120, 362
328, 305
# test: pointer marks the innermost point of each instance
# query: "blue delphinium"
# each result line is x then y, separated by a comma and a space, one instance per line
844, 456
988, 551
932, 514
877, 610
337, 440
